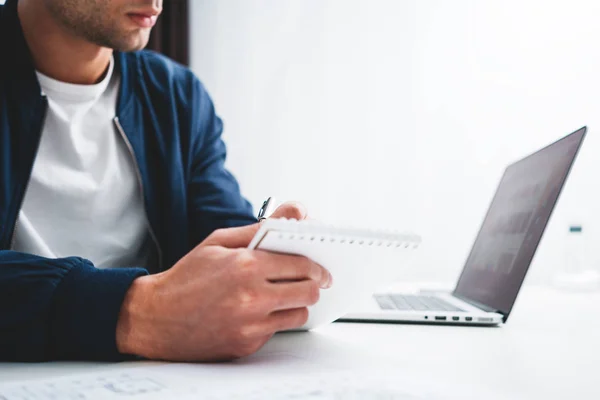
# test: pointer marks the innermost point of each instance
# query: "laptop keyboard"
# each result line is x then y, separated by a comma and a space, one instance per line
414, 302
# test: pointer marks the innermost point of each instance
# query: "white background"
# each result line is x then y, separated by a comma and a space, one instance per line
403, 114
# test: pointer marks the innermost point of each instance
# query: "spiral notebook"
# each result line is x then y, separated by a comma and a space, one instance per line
360, 260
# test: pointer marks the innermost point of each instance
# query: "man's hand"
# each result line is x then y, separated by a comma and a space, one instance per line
220, 301
290, 209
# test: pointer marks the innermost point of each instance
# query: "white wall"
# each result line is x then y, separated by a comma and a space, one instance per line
403, 114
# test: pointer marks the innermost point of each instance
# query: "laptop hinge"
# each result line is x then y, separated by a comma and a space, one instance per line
477, 304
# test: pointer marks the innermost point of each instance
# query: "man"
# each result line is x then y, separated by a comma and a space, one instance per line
111, 166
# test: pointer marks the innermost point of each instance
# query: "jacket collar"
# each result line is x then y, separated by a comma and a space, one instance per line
129, 69
18, 64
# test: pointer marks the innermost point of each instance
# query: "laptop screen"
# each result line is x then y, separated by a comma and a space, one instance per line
514, 224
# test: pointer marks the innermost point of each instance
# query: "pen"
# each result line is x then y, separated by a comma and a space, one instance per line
266, 209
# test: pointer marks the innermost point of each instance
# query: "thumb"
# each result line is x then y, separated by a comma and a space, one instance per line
290, 209
232, 238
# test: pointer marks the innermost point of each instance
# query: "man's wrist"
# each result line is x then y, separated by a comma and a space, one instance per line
132, 336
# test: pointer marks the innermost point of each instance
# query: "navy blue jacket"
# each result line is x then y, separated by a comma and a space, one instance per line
66, 308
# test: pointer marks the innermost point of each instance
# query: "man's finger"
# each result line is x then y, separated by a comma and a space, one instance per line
284, 267
286, 319
232, 238
290, 210
242, 236
291, 295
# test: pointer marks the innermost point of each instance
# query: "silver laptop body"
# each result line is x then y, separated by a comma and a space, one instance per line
502, 251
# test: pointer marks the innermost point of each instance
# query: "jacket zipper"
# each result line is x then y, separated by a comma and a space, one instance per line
141, 187
37, 147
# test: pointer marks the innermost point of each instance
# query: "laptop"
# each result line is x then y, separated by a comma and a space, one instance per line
500, 257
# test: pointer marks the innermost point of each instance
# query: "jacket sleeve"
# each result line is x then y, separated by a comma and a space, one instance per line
215, 198
53, 309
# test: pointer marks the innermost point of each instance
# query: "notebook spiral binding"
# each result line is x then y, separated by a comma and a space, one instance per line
348, 241
301, 230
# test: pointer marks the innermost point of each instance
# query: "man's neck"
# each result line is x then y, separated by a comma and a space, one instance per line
58, 53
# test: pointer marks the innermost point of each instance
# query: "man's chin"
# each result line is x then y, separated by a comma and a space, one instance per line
133, 42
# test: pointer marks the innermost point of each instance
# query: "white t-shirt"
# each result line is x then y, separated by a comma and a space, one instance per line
83, 198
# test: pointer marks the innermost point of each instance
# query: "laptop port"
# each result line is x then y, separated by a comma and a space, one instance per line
468, 318
426, 317
440, 318
455, 318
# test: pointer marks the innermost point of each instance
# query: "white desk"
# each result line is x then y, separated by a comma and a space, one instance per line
549, 349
